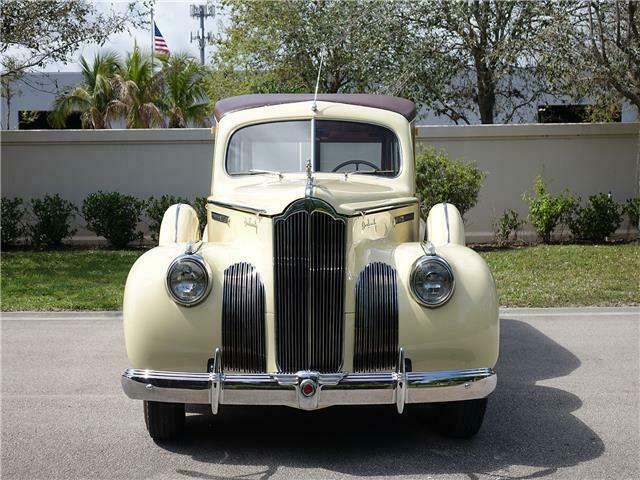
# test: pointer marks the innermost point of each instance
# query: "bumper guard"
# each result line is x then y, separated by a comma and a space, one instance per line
308, 390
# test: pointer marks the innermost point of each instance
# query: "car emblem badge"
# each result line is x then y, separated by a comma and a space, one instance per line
308, 387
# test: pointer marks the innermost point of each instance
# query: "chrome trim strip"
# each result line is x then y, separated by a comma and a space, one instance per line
234, 206
385, 207
215, 381
401, 389
175, 230
218, 388
309, 205
446, 221
364, 211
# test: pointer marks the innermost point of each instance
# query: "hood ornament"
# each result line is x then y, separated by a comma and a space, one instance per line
308, 191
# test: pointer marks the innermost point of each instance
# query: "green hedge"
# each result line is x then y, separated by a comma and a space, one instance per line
46, 221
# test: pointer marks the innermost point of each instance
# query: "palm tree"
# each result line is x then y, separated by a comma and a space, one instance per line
94, 97
139, 91
185, 101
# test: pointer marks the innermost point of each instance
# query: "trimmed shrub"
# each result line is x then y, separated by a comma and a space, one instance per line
155, 209
547, 211
597, 220
53, 215
11, 220
440, 179
632, 210
114, 216
200, 206
506, 225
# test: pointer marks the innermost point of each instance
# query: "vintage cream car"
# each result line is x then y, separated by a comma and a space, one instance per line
314, 283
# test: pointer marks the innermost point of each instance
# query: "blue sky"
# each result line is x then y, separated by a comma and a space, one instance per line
173, 20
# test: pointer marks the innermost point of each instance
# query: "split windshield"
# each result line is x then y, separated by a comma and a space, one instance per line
339, 147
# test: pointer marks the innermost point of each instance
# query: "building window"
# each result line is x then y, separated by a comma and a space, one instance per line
39, 120
572, 114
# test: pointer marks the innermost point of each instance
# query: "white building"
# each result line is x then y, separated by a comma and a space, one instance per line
36, 92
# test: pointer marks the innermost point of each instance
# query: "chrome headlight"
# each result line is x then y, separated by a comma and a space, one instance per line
188, 280
432, 281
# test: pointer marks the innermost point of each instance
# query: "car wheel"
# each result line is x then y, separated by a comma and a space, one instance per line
164, 420
460, 419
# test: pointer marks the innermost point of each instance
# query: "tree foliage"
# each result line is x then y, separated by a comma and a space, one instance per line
12, 225
440, 179
462, 59
113, 215
53, 215
487, 53
185, 100
275, 46
547, 211
597, 220
94, 97
35, 33
139, 91
594, 51
136, 91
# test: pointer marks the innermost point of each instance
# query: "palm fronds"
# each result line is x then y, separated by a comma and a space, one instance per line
93, 96
185, 100
138, 93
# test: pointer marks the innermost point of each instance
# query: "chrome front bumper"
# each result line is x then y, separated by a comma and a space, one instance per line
306, 389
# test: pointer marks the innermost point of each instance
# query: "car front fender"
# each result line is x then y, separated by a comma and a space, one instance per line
464, 332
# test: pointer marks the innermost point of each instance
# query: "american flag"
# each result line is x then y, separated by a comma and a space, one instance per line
159, 44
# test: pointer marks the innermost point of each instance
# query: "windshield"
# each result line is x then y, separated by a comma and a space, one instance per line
340, 147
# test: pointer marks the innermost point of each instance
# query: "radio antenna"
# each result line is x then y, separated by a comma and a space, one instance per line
314, 107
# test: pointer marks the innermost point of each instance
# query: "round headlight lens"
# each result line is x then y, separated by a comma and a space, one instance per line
188, 280
432, 281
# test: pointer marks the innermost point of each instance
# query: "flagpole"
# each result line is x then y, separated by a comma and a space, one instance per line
152, 35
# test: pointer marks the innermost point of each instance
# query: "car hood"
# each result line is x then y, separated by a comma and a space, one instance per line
347, 197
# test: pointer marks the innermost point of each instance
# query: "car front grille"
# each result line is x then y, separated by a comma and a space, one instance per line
243, 320
309, 263
376, 322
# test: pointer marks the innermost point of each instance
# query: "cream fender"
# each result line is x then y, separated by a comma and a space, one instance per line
179, 225
444, 225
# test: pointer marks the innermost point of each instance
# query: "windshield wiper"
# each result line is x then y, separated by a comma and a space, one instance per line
362, 172
257, 171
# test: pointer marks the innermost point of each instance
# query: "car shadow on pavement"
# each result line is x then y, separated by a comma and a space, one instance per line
526, 425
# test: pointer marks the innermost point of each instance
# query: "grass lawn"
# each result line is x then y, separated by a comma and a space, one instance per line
65, 280
540, 276
567, 275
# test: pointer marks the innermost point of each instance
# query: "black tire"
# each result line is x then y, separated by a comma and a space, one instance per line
164, 421
460, 419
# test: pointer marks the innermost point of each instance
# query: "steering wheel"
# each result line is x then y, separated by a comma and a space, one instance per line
356, 163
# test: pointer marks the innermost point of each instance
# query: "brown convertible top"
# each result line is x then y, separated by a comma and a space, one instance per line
404, 107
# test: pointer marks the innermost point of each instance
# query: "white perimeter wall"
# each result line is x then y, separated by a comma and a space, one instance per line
585, 158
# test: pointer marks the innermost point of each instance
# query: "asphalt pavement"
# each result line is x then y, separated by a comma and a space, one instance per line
566, 406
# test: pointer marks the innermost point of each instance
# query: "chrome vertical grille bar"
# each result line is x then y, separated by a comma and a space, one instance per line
376, 322
309, 258
243, 320
291, 264
327, 292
